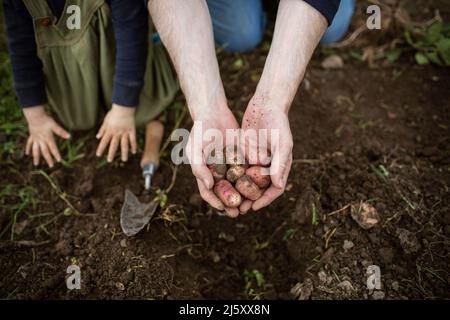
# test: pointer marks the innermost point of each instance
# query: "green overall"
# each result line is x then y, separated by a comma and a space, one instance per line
79, 65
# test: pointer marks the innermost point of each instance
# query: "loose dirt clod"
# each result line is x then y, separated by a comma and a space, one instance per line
365, 215
303, 291
348, 245
408, 240
333, 62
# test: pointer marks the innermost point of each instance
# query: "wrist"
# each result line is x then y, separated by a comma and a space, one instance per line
208, 112
272, 100
35, 114
124, 110
203, 109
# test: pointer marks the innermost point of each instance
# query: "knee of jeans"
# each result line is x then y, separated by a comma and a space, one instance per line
244, 39
341, 22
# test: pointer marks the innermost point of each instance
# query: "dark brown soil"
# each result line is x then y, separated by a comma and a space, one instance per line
351, 127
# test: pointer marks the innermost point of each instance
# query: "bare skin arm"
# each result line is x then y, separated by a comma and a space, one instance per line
298, 30
185, 29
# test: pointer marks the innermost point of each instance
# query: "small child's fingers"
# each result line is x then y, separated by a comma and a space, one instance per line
133, 143
124, 147
54, 149
102, 145
60, 132
114, 144
36, 153
46, 154
28, 146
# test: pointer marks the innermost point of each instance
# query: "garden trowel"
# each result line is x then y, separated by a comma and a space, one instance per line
136, 215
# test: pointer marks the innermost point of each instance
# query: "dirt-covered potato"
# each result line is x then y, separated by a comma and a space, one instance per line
248, 188
227, 194
218, 171
235, 172
259, 175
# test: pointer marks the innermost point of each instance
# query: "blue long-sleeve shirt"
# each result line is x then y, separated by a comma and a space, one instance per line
327, 8
130, 23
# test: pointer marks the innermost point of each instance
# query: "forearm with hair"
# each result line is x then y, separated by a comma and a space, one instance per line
185, 29
298, 30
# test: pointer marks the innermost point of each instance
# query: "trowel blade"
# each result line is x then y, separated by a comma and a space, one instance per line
135, 215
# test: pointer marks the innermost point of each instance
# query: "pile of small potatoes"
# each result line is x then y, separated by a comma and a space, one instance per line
236, 181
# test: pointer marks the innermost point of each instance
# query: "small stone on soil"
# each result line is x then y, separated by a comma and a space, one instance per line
365, 215
333, 62
378, 295
303, 291
322, 277
346, 286
120, 286
395, 286
408, 240
348, 245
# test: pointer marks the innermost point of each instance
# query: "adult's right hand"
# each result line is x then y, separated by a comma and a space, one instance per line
41, 141
199, 148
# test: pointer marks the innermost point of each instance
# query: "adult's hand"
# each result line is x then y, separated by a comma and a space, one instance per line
188, 37
270, 125
298, 30
200, 147
41, 141
118, 128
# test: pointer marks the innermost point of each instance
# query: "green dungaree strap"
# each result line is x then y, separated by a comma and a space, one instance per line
79, 65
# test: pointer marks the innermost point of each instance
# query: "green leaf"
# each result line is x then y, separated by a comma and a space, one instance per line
238, 63
421, 58
443, 46
434, 58
434, 33
259, 277
356, 55
314, 215
409, 39
394, 55
289, 233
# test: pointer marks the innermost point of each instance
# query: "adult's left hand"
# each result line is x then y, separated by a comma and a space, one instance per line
261, 114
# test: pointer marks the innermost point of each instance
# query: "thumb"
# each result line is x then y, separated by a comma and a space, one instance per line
198, 165
281, 160
60, 131
204, 174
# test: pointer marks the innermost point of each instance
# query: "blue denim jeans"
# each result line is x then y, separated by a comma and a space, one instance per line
239, 24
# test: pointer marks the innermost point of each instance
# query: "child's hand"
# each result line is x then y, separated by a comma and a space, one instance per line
118, 129
41, 141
